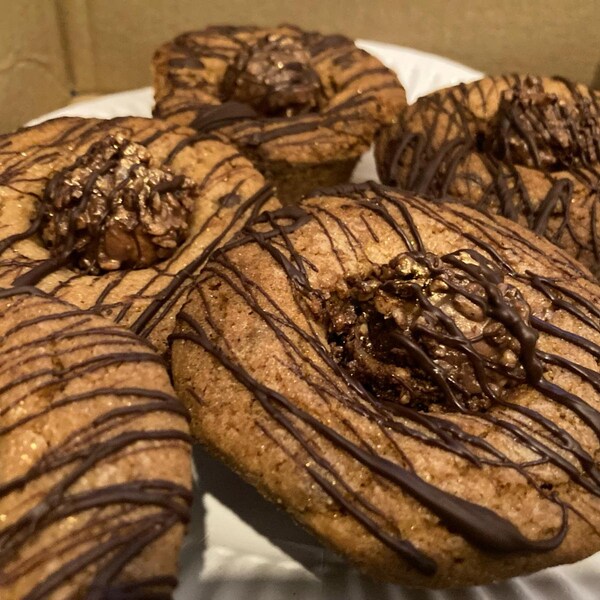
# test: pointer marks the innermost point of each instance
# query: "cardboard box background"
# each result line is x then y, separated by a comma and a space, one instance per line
98, 46
33, 71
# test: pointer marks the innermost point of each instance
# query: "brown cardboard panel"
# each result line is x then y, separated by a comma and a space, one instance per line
49, 48
111, 41
33, 75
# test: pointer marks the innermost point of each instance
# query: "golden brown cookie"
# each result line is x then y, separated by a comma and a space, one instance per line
95, 470
301, 105
115, 215
414, 382
525, 147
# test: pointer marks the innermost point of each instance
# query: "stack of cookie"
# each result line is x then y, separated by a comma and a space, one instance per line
415, 381
104, 228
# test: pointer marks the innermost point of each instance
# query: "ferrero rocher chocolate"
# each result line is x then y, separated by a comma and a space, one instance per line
116, 208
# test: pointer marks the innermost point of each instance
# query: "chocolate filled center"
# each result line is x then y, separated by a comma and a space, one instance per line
115, 208
537, 129
274, 76
427, 331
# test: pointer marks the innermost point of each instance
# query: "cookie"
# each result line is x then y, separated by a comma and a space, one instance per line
115, 215
95, 471
415, 382
524, 147
301, 105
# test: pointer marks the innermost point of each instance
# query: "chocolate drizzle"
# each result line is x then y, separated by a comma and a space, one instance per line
421, 330
54, 359
508, 145
539, 130
211, 117
461, 325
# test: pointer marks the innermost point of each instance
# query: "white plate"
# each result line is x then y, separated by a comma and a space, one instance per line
241, 547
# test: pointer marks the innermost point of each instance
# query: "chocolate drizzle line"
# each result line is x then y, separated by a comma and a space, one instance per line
484, 271
441, 149
145, 307
121, 520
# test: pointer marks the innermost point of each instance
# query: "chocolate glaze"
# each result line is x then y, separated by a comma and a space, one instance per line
488, 290
273, 75
122, 535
